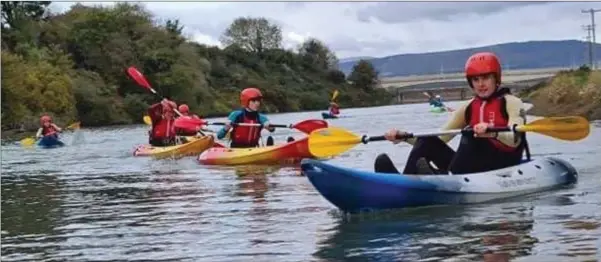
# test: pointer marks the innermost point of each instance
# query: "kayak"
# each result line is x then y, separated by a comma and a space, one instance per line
289, 153
328, 115
437, 109
354, 190
50, 141
195, 145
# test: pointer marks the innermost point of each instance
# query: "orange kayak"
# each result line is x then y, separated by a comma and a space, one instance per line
288, 153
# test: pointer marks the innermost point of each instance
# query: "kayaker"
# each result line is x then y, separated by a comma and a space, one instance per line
48, 127
334, 109
436, 101
246, 136
484, 151
185, 111
162, 132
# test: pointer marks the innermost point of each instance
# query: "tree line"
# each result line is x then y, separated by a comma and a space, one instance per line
72, 66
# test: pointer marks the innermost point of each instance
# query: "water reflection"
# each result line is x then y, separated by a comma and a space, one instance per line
431, 234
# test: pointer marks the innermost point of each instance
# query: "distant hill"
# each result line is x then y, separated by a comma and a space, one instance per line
354, 59
522, 55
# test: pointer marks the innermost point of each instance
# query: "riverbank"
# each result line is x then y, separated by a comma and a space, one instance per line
575, 92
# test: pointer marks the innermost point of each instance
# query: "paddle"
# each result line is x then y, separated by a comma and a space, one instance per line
28, 141
333, 141
306, 126
334, 95
141, 81
448, 108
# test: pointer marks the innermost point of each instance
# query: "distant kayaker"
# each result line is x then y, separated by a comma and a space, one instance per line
436, 101
162, 132
185, 111
485, 151
48, 127
246, 136
334, 109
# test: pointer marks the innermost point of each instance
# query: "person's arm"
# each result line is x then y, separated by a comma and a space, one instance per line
263, 120
457, 121
517, 116
39, 133
58, 129
155, 112
231, 118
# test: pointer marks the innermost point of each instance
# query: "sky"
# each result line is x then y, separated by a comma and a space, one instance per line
378, 29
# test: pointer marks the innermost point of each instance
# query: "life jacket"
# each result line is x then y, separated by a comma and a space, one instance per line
186, 132
163, 129
49, 130
246, 136
334, 110
493, 110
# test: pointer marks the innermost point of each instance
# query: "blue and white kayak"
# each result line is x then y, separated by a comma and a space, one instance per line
50, 141
354, 190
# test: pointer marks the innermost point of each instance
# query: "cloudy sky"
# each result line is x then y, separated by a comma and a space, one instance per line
385, 28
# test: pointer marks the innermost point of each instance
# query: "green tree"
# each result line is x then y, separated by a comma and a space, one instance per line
364, 76
317, 54
253, 34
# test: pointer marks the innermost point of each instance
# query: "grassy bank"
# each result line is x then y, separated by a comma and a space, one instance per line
574, 92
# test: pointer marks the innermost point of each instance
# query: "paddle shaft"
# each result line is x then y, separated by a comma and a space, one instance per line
247, 124
367, 139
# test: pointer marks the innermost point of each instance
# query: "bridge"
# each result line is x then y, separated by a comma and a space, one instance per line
409, 89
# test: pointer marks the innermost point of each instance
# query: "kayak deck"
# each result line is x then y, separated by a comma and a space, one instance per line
355, 190
288, 153
196, 145
50, 142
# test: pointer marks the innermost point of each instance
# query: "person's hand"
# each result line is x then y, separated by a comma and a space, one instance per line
392, 134
227, 126
268, 127
480, 130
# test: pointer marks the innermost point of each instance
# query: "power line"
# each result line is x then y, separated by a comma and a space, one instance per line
593, 40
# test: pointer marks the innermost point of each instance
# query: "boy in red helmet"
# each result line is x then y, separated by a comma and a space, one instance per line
163, 131
492, 106
246, 136
48, 127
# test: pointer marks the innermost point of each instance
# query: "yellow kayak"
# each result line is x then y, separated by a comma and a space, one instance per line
194, 146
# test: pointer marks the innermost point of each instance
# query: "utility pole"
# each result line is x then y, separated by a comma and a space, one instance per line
589, 29
593, 41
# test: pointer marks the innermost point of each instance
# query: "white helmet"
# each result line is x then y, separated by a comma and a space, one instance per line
437, 96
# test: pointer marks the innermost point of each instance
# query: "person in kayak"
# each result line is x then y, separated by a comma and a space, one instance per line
436, 101
48, 128
484, 151
334, 109
162, 132
185, 111
246, 136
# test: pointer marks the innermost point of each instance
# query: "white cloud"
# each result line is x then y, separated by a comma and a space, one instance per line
385, 28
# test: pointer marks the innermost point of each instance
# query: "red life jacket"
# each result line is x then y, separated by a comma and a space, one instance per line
246, 136
334, 110
48, 130
164, 129
493, 111
186, 132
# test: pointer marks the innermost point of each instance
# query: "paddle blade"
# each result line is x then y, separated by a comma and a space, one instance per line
310, 125
188, 123
331, 141
147, 120
570, 128
335, 95
27, 141
75, 125
138, 77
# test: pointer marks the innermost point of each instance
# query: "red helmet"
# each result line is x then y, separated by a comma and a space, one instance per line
483, 63
249, 94
183, 108
45, 118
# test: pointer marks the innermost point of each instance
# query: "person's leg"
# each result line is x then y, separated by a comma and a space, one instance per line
432, 149
479, 155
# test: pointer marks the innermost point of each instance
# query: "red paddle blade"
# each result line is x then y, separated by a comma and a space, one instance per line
308, 126
191, 124
138, 77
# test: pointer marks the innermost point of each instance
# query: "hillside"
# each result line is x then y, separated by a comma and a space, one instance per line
72, 66
523, 55
576, 92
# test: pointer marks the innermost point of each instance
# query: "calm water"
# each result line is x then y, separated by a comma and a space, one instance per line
93, 201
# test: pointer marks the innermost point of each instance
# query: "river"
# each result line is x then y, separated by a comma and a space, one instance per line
94, 201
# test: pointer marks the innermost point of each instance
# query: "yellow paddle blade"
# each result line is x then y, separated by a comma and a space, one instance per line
147, 120
570, 128
27, 141
75, 125
335, 95
326, 142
